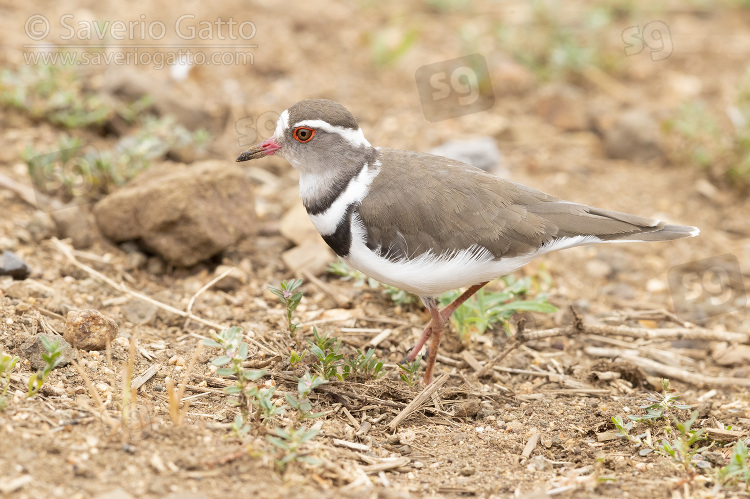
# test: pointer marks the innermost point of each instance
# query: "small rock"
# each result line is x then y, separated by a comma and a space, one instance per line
296, 226
598, 268
736, 355
634, 136
139, 311
73, 223
232, 281
313, 257
467, 471
41, 226
619, 290
510, 76
563, 106
467, 408
184, 214
481, 152
33, 351
539, 463
89, 329
12, 265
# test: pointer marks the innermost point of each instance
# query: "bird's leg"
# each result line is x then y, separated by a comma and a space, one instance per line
438, 326
442, 321
444, 315
448, 310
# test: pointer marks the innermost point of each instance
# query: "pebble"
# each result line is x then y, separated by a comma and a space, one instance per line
33, 351
12, 265
232, 281
138, 311
89, 330
481, 152
41, 226
467, 471
634, 136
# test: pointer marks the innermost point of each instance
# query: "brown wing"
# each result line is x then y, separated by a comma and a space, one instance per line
419, 202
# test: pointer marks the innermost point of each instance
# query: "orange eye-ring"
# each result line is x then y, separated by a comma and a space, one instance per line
303, 134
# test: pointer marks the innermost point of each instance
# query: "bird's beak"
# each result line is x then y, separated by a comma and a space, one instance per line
265, 148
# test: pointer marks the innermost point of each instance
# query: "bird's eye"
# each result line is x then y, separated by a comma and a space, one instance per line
303, 134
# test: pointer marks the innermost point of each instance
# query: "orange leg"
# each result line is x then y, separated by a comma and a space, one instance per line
438, 322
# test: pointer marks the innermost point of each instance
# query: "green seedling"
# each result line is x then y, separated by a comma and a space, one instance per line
290, 441
487, 308
295, 358
409, 372
290, 298
364, 365
267, 410
661, 404
239, 427
301, 403
680, 449
51, 358
7, 363
737, 470
326, 350
235, 353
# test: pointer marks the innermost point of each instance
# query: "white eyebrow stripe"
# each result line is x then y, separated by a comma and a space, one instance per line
354, 137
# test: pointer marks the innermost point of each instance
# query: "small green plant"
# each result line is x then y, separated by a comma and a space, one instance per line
295, 358
681, 449
326, 350
301, 403
7, 363
51, 358
290, 298
409, 372
660, 404
698, 135
239, 427
487, 308
235, 353
290, 441
365, 365
737, 470
267, 410
72, 170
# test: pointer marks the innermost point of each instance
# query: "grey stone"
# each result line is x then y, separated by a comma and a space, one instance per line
33, 351
12, 265
563, 106
634, 136
73, 223
481, 152
41, 226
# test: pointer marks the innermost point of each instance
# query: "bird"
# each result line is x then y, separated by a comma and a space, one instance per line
428, 224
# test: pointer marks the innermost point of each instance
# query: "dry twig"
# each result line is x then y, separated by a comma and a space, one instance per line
418, 401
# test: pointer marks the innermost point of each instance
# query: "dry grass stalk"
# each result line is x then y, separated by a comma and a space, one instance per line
176, 414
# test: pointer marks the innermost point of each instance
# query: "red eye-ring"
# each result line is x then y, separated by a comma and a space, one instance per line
303, 134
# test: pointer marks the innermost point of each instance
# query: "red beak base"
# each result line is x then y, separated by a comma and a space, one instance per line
266, 148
